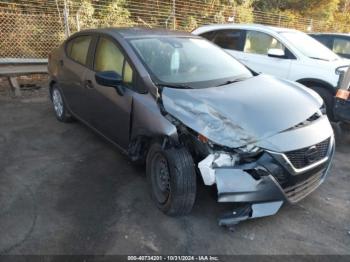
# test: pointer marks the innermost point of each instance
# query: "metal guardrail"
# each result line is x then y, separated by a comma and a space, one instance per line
13, 67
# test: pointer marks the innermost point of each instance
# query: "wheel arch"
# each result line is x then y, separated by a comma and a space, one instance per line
314, 82
52, 82
140, 144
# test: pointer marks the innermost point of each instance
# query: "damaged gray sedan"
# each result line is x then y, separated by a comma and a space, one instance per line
186, 108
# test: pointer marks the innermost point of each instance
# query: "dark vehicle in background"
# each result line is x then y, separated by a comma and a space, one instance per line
185, 107
338, 43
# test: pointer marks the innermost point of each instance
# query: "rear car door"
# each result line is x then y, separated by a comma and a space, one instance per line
256, 47
109, 111
73, 70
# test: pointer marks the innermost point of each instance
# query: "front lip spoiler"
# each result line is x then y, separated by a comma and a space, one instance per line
249, 211
247, 189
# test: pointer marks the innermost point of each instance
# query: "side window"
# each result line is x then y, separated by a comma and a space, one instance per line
127, 74
259, 43
109, 57
323, 39
208, 35
229, 39
326, 40
77, 49
341, 46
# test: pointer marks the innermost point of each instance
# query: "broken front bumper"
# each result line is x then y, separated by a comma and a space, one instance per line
266, 184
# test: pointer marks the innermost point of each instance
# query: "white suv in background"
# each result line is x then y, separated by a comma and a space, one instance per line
284, 53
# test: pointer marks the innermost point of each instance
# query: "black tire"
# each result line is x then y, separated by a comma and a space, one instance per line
178, 195
61, 111
328, 99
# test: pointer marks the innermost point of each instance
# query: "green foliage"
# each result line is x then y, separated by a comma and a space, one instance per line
115, 14
190, 14
244, 12
87, 16
324, 15
190, 23
45, 31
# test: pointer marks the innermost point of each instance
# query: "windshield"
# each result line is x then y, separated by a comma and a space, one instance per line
309, 46
188, 61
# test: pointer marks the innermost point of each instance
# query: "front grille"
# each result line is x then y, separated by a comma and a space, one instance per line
302, 189
302, 157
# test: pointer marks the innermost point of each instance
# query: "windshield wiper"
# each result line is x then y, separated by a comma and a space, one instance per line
233, 81
179, 86
319, 58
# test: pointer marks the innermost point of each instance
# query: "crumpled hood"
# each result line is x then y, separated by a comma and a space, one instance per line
242, 113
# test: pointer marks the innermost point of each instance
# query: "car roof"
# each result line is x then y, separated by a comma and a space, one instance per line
138, 32
331, 34
245, 26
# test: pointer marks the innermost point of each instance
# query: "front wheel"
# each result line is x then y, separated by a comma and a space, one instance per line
172, 179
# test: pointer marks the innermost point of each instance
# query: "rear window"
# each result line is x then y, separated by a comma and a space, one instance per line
77, 49
208, 35
341, 46
324, 39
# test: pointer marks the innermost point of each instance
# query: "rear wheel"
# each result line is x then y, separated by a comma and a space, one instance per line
172, 179
61, 111
328, 99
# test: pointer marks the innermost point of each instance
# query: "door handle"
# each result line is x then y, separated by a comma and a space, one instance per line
88, 84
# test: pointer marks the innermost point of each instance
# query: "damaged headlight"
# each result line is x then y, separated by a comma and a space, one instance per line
250, 149
220, 159
249, 154
224, 160
228, 157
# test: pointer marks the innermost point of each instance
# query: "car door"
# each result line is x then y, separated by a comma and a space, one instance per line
255, 54
73, 70
109, 111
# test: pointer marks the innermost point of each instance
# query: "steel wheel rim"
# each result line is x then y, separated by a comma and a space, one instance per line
161, 178
57, 102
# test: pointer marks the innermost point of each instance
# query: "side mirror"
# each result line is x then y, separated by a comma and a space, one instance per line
275, 52
112, 79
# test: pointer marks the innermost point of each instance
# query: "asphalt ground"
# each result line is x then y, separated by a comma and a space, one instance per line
65, 190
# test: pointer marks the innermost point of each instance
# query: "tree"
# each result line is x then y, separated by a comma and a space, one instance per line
115, 14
